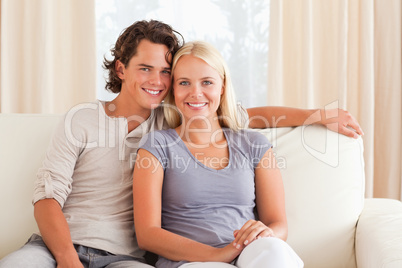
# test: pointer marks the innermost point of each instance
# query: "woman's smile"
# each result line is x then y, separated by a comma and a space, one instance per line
197, 105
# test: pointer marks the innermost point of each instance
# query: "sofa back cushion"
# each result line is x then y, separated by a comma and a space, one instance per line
23, 142
323, 175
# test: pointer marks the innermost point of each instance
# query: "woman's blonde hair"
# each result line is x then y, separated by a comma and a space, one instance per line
227, 111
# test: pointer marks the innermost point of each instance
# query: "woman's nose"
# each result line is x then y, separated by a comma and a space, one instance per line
196, 92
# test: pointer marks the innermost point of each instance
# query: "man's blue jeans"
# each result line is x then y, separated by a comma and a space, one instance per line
35, 254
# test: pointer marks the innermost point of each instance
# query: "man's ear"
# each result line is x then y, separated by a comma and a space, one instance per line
119, 67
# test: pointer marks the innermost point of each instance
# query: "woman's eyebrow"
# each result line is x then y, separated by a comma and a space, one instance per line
202, 78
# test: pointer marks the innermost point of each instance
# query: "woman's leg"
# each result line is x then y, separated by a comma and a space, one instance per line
269, 252
207, 265
129, 264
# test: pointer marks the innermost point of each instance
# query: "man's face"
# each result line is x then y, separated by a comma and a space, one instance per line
146, 78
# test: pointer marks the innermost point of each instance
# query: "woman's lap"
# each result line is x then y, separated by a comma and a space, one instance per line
265, 252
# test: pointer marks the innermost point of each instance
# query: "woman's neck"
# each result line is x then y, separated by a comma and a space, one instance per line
201, 132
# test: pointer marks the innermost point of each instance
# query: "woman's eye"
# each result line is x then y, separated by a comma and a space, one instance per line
184, 83
207, 83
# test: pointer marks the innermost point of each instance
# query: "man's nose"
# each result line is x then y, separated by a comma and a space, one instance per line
156, 79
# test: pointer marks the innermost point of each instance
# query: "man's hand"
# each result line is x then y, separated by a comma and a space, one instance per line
69, 261
340, 121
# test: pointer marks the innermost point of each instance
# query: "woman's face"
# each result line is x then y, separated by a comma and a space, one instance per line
197, 88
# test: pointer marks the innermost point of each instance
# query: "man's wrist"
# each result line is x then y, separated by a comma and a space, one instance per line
315, 117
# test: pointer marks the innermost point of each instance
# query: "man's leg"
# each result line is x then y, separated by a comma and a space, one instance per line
97, 258
33, 254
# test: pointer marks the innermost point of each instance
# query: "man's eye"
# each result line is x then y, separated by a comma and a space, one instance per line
166, 72
145, 69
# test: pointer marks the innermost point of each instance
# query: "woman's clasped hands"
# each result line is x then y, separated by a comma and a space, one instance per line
249, 232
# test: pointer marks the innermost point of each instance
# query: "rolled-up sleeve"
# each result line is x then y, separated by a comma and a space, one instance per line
54, 178
243, 116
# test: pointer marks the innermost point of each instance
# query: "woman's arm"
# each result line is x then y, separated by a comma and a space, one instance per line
147, 197
270, 202
337, 120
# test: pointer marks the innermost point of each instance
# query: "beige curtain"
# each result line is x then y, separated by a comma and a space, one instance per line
48, 59
0, 52
345, 53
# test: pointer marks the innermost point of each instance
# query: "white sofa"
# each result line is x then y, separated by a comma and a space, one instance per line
331, 224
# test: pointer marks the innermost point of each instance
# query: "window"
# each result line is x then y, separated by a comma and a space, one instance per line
237, 28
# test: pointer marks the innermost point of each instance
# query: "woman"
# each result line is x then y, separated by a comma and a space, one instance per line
195, 186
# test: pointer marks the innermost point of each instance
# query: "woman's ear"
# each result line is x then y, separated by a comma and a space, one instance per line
119, 67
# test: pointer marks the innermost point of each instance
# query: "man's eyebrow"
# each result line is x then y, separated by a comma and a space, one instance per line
150, 66
145, 65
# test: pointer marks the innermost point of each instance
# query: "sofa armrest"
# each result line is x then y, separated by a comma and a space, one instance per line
379, 234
